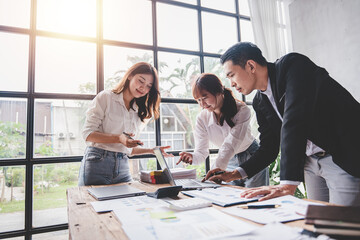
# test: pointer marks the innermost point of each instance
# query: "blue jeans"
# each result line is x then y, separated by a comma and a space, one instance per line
99, 167
259, 179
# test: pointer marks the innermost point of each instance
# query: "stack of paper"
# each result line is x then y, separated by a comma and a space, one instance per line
179, 173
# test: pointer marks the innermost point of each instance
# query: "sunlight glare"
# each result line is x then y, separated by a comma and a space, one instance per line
76, 17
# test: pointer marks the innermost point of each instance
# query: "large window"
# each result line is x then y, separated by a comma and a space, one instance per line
57, 55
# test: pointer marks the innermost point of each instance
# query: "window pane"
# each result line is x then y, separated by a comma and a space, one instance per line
219, 32
12, 196
136, 165
50, 184
57, 235
213, 65
177, 27
15, 13
244, 7
177, 72
12, 128
188, 1
144, 164
246, 31
212, 159
117, 60
185, 116
67, 16
64, 66
223, 5
58, 127
14, 49
147, 134
200, 168
168, 124
128, 20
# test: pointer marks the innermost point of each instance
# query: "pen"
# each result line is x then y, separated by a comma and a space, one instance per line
216, 173
259, 206
128, 135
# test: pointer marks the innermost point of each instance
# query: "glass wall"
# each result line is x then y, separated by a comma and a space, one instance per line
57, 55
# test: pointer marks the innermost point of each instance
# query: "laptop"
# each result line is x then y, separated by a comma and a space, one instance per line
186, 183
112, 192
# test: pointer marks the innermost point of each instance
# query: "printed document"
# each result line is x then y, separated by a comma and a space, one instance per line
291, 209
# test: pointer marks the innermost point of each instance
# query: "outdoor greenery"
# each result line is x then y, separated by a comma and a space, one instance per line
50, 180
12, 140
274, 173
50, 184
53, 198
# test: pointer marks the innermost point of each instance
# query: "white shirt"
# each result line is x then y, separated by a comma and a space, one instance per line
230, 141
108, 114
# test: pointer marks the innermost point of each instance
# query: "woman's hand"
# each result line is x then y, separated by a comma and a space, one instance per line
162, 149
185, 157
128, 141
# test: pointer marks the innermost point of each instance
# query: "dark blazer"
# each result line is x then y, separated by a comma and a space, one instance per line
314, 107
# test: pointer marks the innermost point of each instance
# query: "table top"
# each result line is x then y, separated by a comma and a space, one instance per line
85, 223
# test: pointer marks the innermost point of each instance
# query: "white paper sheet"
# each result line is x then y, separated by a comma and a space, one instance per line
291, 209
109, 205
278, 231
205, 223
223, 196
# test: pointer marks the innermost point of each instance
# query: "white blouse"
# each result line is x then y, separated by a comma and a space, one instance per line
108, 114
230, 141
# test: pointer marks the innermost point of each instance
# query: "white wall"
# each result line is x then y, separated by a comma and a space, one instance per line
328, 31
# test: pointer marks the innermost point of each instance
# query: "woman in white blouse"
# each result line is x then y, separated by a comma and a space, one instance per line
225, 122
113, 118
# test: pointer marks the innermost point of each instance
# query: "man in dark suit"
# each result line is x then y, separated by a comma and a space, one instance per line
301, 109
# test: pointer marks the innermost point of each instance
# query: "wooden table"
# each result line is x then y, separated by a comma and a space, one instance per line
85, 223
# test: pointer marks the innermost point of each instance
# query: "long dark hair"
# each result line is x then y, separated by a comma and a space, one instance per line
148, 104
213, 85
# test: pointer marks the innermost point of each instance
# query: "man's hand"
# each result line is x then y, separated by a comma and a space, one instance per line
270, 191
226, 176
185, 157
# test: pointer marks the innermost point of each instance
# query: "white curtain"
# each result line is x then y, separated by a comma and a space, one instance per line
271, 27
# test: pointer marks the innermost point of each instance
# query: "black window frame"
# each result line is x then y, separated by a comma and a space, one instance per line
29, 161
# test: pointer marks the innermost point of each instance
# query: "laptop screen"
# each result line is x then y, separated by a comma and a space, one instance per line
163, 164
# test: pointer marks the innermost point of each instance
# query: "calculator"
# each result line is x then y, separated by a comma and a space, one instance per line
189, 203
